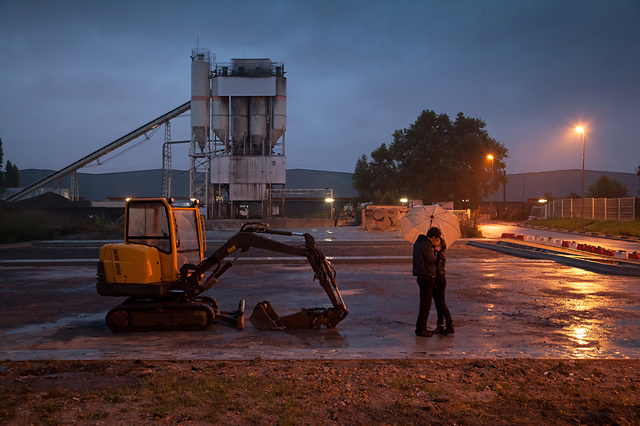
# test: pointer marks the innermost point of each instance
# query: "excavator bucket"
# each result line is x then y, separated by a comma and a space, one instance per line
264, 317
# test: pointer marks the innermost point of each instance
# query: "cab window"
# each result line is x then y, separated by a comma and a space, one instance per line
187, 239
148, 224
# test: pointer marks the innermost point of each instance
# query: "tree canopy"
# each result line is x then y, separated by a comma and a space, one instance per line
434, 159
10, 178
1, 172
607, 188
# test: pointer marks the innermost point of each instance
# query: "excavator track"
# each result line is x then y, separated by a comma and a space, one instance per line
170, 315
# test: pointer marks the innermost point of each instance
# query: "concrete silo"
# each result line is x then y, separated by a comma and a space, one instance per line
200, 96
200, 148
248, 119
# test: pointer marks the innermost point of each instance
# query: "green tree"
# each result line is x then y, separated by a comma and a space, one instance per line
11, 176
1, 159
607, 188
434, 159
376, 177
574, 195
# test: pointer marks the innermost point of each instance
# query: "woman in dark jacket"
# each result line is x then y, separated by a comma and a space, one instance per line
438, 292
424, 268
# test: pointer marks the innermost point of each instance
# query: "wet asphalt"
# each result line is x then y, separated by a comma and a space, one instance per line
503, 305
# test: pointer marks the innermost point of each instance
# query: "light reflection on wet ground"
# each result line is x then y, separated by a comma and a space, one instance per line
505, 307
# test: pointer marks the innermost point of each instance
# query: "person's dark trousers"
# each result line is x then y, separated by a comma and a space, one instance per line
426, 293
439, 300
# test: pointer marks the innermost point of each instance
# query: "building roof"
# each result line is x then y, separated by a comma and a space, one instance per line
340, 182
560, 183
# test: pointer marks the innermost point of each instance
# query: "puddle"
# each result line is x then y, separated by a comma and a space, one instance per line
60, 323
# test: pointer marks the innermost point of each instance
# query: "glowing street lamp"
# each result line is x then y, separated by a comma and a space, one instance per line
584, 132
330, 200
404, 200
490, 157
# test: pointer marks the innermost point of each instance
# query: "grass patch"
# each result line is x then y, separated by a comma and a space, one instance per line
8, 404
172, 394
99, 415
404, 383
402, 405
46, 411
611, 227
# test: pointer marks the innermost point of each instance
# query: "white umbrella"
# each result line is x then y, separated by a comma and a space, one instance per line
420, 219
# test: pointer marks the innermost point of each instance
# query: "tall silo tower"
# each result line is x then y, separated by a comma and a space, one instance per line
248, 119
200, 148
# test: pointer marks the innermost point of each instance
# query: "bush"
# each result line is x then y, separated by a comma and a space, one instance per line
470, 230
513, 215
29, 225
26, 226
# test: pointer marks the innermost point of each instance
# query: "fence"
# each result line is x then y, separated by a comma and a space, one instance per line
595, 208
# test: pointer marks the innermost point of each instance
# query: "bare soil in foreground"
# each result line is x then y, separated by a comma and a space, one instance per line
318, 392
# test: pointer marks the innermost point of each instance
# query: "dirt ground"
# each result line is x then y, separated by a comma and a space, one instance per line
397, 392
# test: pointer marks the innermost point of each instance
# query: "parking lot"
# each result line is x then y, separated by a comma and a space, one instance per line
503, 307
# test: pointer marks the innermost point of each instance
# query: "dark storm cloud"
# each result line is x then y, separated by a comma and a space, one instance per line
74, 75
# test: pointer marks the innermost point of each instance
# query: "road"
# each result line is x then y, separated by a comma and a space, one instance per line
503, 307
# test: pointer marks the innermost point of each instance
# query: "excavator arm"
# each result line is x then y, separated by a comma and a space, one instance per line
264, 316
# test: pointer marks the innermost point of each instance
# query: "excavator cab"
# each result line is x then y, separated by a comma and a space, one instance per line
159, 240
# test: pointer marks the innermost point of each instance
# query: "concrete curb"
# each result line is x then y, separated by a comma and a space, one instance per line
15, 245
530, 252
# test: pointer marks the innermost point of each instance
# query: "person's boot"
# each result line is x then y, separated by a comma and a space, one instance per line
439, 329
424, 333
449, 329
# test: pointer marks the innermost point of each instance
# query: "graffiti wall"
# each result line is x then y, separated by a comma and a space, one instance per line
383, 218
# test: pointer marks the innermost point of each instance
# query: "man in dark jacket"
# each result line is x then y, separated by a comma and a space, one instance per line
424, 267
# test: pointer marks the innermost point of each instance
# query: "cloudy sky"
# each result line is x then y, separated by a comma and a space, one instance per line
76, 75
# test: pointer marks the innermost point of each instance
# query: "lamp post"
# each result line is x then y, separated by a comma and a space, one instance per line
330, 200
584, 132
546, 207
490, 157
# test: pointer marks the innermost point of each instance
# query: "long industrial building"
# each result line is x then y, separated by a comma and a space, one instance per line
107, 189
148, 183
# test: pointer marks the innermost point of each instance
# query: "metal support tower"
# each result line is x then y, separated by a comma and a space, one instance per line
166, 162
199, 173
74, 190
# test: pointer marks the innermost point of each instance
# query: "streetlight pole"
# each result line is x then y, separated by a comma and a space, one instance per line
330, 200
584, 132
490, 157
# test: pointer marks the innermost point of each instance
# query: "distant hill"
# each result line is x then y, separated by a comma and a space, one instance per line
148, 183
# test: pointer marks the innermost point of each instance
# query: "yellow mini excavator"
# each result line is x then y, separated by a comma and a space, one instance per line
160, 267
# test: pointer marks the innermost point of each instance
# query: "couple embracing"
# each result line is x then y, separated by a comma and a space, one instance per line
429, 266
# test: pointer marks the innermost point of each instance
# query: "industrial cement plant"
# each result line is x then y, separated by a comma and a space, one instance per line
237, 144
